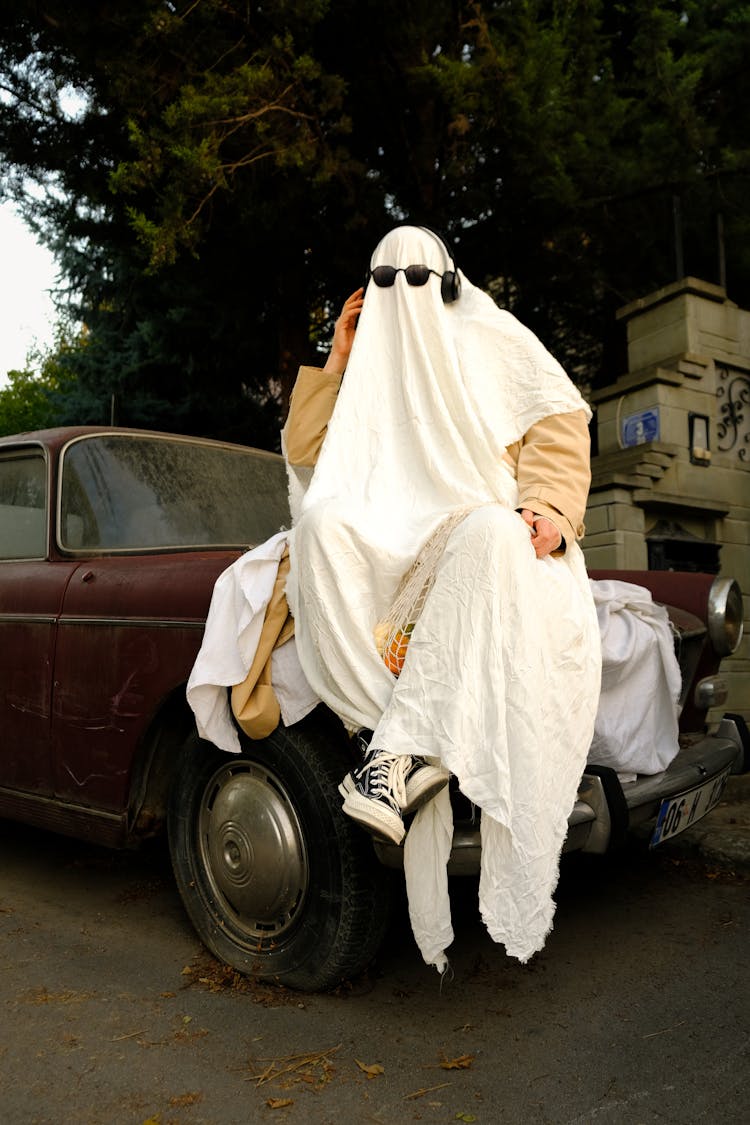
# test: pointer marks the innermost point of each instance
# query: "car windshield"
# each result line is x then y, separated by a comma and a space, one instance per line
129, 492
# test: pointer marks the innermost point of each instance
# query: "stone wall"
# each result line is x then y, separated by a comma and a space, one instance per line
658, 498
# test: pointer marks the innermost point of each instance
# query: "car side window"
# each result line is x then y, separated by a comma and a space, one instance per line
23, 506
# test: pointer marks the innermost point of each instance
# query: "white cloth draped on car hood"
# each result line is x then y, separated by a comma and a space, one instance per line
503, 677
636, 728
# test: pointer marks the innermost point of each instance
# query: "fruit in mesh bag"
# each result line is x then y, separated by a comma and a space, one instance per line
394, 652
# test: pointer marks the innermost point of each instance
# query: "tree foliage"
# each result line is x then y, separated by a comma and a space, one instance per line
24, 403
231, 165
31, 398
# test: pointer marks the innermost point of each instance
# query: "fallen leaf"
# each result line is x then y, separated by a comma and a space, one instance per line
371, 1071
467, 1117
296, 1068
279, 1103
426, 1090
180, 1100
463, 1062
42, 996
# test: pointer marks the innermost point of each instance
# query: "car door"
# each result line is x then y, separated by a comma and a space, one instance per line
132, 618
32, 587
125, 643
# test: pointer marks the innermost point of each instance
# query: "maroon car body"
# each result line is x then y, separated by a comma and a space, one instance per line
111, 541
102, 609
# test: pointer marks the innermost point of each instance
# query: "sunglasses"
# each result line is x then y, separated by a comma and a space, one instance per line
385, 276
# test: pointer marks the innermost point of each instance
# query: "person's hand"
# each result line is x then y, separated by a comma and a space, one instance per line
343, 333
544, 535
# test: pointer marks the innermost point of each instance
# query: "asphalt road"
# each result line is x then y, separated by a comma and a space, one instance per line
111, 1014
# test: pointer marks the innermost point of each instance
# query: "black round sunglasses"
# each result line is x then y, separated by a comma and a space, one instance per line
385, 276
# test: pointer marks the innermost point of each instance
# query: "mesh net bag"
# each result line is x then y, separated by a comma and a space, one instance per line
392, 634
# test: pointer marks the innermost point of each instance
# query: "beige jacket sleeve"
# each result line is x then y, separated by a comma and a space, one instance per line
310, 410
254, 703
553, 469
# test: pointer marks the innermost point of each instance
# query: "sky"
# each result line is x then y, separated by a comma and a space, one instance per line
27, 273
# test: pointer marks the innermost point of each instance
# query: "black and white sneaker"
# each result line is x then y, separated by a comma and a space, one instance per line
374, 794
397, 783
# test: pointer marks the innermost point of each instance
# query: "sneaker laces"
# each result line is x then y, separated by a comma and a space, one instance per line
386, 776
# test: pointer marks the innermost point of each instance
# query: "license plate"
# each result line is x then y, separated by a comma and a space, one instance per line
678, 813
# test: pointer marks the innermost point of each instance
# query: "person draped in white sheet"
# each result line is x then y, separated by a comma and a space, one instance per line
450, 407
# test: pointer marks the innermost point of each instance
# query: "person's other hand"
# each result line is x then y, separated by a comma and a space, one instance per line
343, 333
544, 535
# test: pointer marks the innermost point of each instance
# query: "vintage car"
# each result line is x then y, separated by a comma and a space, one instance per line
111, 541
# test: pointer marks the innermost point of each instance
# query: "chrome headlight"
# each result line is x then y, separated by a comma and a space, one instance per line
725, 615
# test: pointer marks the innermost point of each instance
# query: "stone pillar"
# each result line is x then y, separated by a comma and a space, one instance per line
671, 480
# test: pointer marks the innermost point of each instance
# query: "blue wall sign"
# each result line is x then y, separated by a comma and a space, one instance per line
642, 427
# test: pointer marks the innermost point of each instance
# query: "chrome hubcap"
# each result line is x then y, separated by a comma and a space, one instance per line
252, 849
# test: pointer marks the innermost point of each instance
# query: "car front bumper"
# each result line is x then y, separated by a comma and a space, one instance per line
605, 810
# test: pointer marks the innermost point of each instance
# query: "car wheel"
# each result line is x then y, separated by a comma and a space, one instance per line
277, 881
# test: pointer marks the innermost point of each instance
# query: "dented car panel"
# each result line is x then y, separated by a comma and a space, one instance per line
128, 633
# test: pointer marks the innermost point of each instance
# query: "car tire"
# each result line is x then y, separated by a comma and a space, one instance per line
276, 880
